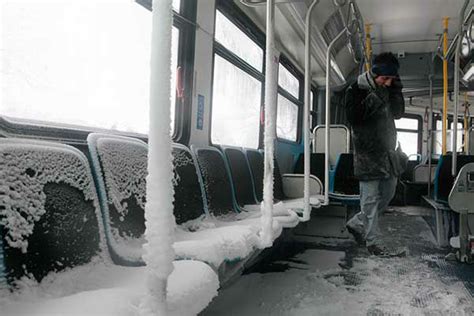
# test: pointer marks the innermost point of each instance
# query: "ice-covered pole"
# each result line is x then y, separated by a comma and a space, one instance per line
271, 64
160, 221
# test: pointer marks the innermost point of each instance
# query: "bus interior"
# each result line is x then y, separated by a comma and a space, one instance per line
188, 157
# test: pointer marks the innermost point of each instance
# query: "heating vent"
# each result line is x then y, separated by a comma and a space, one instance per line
331, 29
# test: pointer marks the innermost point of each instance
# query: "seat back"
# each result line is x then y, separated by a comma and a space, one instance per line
241, 175
120, 168
189, 196
444, 180
317, 164
344, 181
255, 161
421, 173
340, 141
216, 181
49, 210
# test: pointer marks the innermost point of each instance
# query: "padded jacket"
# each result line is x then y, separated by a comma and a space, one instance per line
371, 111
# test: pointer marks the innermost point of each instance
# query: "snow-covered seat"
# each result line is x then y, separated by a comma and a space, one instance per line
244, 189
52, 244
221, 201
288, 188
120, 167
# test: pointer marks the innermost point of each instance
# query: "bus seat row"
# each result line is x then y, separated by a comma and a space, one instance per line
120, 168
52, 226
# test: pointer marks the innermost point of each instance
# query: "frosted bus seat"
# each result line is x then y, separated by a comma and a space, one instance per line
48, 211
292, 184
120, 167
240, 175
244, 189
219, 192
58, 234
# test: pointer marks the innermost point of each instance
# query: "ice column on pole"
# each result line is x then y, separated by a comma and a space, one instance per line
271, 64
160, 221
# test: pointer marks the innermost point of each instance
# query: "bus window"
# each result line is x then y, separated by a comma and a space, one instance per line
237, 86
408, 135
287, 110
79, 63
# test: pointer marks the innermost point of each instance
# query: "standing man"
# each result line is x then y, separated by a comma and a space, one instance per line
372, 104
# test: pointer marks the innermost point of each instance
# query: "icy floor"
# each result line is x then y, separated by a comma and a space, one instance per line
332, 276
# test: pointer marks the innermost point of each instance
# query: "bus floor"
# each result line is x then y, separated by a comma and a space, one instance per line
329, 274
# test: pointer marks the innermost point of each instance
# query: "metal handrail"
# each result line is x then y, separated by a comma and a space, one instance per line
456, 85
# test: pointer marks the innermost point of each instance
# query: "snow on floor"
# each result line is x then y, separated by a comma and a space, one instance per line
105, 289
331, 279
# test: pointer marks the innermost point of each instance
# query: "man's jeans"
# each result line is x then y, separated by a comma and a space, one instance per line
375, 195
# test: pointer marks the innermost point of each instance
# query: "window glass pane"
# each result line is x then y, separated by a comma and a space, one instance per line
287, 119
235, 106
231, 37
407, 123
460, 132
176, 5
288, 81
78, 62
409, 143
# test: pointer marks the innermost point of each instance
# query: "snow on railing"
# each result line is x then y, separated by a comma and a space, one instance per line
160, 222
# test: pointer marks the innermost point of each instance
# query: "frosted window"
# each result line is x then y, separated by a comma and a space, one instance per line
288, 81
407, 123
232, 38
235, 106
409, 143
438, 138
177, 5
84, 62
287, 119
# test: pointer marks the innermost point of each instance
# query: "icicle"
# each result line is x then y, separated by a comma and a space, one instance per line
159, 217
271, 67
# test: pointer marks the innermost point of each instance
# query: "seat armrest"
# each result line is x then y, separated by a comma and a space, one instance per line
293, 185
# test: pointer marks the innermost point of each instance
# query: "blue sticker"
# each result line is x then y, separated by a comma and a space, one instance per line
200, 112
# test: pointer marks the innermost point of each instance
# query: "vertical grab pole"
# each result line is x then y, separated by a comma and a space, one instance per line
456, 87
271, 63
160, 221
430, 132
445, 82
466, 126
327, 136
368, 46
307, 100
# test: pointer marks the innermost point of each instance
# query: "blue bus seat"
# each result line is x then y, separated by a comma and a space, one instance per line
444, 180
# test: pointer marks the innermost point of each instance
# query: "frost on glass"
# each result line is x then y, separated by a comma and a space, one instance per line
407, 123
235, 106
288, 81
438, 138
235, 40
287, 119
83, 63
409, 143
26, 167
